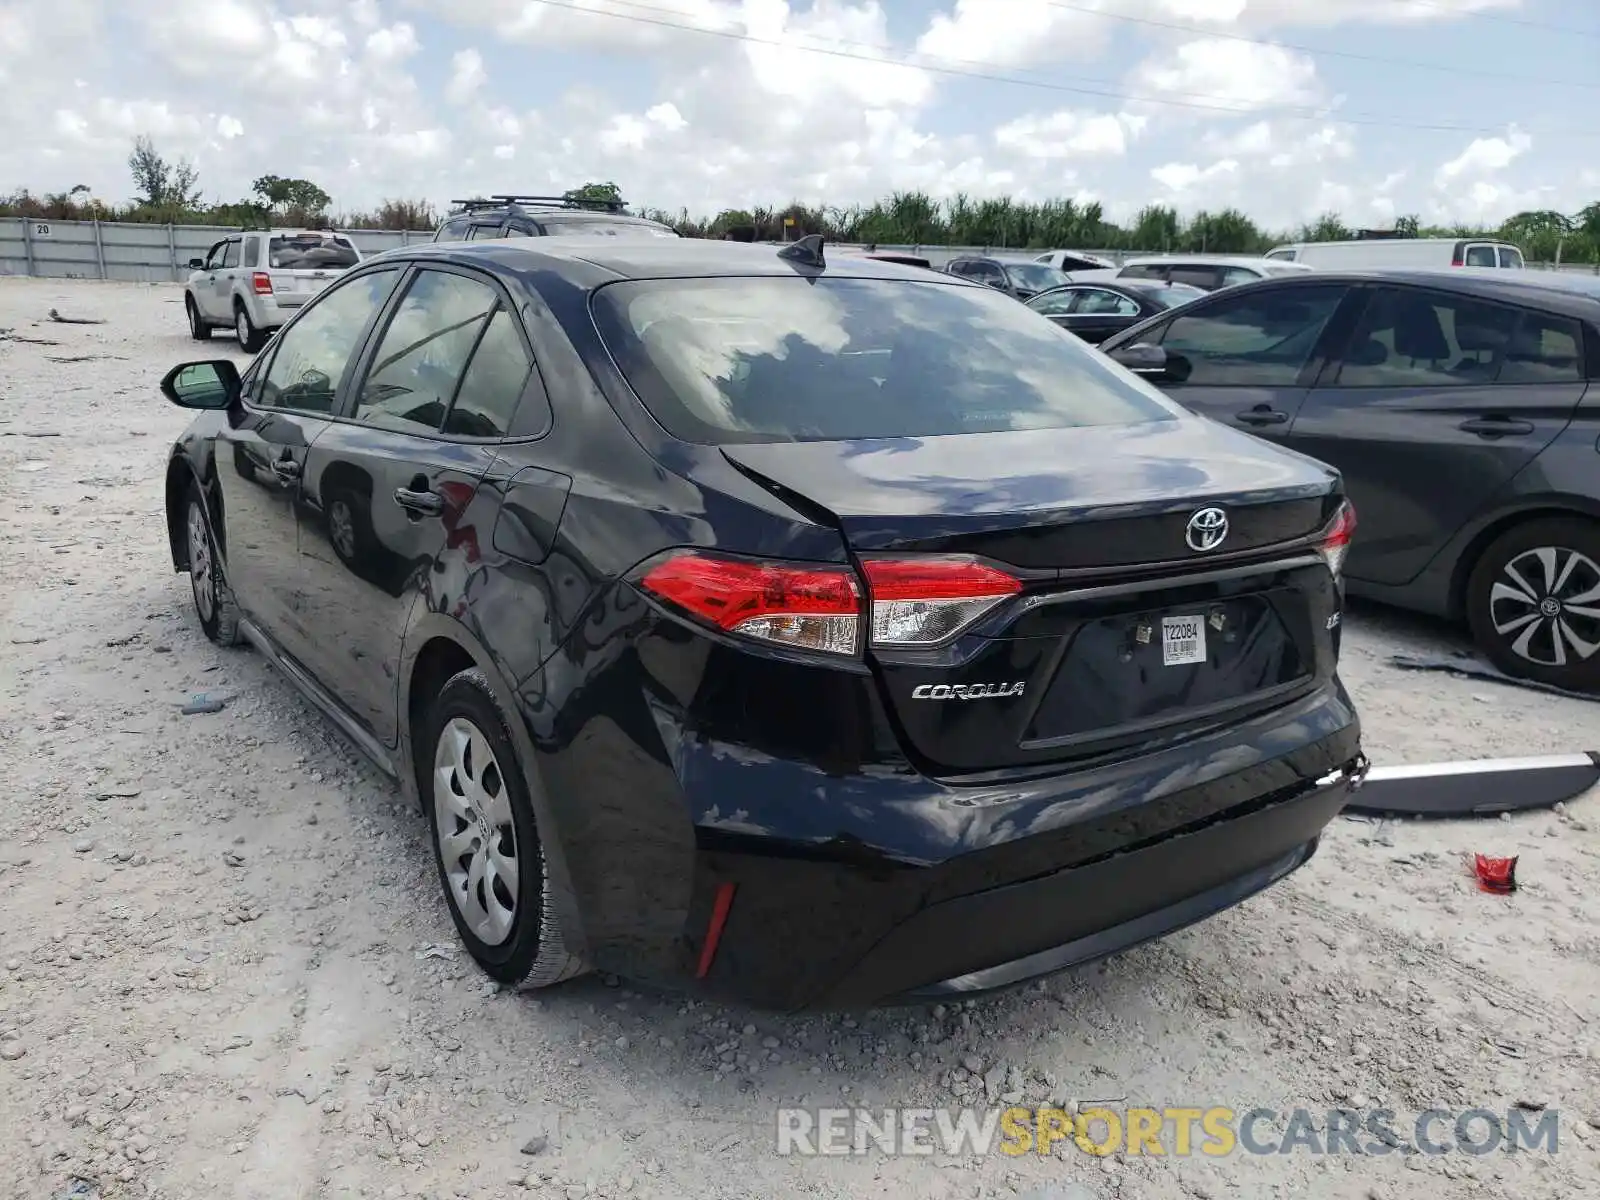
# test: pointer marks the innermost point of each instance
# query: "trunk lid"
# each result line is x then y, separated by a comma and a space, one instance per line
1122, 634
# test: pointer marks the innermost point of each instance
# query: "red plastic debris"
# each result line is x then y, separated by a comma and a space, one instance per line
1497, 875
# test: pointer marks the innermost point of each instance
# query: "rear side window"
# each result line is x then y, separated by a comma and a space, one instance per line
1545, 349
1097, 302
1145, 271
1200, 277
1409, 338
1262, 339
492, 383
230, 255
776, 359
310, 252
424, 351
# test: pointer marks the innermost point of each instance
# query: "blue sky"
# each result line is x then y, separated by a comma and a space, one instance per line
1458, 110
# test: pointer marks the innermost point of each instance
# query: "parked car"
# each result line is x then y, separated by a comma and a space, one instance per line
807, 631
508, 215
1020, 280
1074, 260
1206, 273
1460, 408
1094, 311
254, 281
1368, 253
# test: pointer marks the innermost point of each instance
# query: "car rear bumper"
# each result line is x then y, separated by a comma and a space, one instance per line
824, 889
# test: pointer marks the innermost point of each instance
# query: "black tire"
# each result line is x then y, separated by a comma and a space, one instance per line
251, 339
1527, 648
532, 953
213, 599
198, 329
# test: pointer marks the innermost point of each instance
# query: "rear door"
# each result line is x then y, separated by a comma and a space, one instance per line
261, 457
204, 285
1435, 403
387, 485
1248, 359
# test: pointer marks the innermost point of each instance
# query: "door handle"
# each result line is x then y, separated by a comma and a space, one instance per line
1262, 416
1495, 427
286, 469
427, 504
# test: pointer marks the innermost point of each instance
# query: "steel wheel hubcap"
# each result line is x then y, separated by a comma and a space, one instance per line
342, 528
476, 836
1547, 604
200, 578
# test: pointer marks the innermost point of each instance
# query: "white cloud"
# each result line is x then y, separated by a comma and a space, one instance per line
1183, 177
1070, 134
1225, 75
466, 76
1485, 156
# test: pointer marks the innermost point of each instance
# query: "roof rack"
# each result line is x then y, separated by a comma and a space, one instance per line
518, 200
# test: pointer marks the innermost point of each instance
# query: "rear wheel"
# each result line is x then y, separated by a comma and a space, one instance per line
250, 338
213, 600
198, 329
486, 845
1533, 601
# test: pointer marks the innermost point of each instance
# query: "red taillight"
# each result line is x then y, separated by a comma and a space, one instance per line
807, 607
1336, 538
262, 283
924, 601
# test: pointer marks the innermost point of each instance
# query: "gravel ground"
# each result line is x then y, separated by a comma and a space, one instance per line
225, 968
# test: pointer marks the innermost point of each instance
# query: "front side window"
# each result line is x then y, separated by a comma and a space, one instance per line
423, 352
1097, 302
1054, 304
1034, 278
453, 230
1144, 271
775, 359
1411, 338
215, 255
311, 354
1259, 340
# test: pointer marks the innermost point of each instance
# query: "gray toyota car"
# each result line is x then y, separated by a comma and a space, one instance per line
1463, 410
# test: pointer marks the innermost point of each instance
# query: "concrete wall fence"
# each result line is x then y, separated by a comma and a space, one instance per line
137, 253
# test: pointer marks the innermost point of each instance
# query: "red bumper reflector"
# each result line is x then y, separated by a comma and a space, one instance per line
719, 918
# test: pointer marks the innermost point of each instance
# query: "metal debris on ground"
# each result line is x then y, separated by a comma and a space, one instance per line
442, 950
1463, 663
1497, 875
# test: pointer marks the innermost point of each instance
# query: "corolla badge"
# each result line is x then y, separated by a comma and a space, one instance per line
1206, 530
966, 691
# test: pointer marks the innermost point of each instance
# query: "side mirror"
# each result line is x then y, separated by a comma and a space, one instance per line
205, 385
197, 264
1142, 358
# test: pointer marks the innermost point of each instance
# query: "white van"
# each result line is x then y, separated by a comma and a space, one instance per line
1402, 252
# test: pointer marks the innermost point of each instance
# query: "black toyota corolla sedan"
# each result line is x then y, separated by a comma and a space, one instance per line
806, 632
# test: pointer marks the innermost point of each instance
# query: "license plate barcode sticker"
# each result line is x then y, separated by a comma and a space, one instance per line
1183, 640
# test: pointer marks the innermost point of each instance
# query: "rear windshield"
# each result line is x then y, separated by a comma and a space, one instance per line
604, 228
794, 359
1036, 276
292, 251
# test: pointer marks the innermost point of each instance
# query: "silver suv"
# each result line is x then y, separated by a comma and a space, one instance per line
253, 282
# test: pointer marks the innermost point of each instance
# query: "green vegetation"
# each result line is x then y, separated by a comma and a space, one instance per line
169, 191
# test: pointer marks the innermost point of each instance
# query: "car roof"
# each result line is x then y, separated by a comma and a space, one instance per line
1568, 292
592, 261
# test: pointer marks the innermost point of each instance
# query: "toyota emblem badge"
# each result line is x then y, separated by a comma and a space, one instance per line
1207, 529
